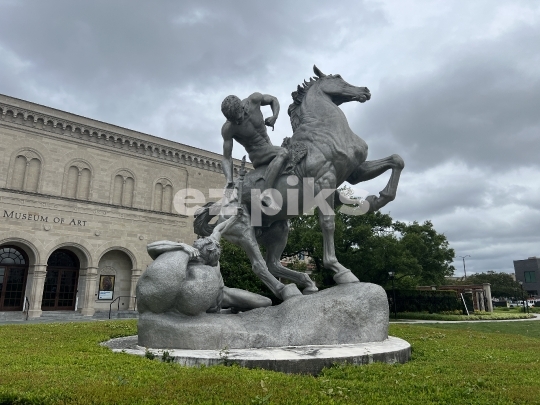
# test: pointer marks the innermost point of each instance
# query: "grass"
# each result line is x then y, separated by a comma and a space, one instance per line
526, 328
517, 310
487, 363
477, 316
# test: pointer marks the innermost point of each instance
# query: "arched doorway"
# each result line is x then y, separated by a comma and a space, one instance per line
60, 289
115, 266
13, 273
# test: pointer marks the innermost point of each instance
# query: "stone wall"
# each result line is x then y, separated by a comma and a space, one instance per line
101, 191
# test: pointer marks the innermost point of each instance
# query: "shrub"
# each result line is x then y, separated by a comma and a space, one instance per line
431, 301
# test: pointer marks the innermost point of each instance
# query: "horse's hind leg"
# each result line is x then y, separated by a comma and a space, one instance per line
371, 169
274, 239
327, 221
243, 235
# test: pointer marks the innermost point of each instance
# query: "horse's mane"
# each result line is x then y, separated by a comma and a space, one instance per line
298, 97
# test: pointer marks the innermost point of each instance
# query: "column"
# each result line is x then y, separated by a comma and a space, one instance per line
135, 274
36, 289
487, 291
90, 280
481, 297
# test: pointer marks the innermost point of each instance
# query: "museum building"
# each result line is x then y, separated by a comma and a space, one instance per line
79, 201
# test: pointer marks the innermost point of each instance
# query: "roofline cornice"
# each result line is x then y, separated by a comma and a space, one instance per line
106, 138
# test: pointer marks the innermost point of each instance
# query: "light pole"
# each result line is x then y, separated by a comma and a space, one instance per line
464, 270
525, 303
392, 275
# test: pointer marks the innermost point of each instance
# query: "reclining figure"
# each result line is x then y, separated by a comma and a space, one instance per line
187, 279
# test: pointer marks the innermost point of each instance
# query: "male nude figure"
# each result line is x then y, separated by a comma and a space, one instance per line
191, 283
246, 125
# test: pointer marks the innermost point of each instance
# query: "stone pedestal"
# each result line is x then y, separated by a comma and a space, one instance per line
344, 314
290, 359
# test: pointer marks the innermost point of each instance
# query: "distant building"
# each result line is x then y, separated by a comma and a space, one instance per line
528, 272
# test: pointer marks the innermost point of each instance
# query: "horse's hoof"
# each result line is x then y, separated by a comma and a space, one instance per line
373, 203
289, 291
310, 290
345, 277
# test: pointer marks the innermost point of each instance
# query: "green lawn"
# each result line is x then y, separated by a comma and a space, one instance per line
496, 363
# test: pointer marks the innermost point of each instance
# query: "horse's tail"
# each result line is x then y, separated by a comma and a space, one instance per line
201, 225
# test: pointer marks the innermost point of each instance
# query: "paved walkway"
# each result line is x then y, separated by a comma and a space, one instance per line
48, 320
17, 318
92, 319
536, 318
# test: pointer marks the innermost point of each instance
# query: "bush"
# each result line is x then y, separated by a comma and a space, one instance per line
431, 301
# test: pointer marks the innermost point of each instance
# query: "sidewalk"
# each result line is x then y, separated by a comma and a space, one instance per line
18, 318
536, 318
75, 317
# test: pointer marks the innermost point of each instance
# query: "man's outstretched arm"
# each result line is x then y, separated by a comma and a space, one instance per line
222, 227
227, 161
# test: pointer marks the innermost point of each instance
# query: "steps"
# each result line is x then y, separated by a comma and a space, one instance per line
62, 316
116, 314
12, 316
65, 316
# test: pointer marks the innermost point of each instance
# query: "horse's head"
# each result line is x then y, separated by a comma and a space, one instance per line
339, 90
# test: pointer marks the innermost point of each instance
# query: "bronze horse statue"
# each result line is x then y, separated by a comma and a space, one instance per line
332, 154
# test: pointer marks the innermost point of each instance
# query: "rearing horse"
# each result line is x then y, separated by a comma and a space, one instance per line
334, 154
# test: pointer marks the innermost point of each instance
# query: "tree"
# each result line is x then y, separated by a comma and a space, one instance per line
502, 284
372, 245
236, 270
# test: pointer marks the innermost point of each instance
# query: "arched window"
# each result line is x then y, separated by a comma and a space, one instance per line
11, 256
63, 258
163, 195
123, 189
77, 181
26, 171
13, 273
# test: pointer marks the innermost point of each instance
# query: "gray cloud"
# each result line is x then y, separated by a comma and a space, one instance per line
479, 106
456, 89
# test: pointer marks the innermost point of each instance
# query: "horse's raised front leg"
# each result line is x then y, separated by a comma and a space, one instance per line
274, 239
327, 221
241, 233
374, 168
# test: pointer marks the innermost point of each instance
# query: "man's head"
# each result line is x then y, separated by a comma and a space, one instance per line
209, 249
232, 109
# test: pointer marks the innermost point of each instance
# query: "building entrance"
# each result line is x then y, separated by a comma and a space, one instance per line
13, 273
60, 289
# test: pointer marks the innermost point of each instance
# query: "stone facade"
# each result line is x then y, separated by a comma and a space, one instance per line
97, 190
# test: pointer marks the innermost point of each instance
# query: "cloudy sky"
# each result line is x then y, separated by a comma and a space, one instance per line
455, 89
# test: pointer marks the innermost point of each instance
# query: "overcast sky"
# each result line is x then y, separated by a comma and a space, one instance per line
455, 90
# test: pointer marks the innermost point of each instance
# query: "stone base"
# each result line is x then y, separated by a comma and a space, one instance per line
344, 314
292, 359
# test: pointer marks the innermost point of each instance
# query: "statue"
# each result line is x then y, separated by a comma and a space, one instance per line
186, 279
246, 125
181, 295
333, 154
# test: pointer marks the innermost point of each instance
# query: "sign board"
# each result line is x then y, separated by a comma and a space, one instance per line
106, 287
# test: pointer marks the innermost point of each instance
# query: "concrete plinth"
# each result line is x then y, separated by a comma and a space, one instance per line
344, 314
290, 359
